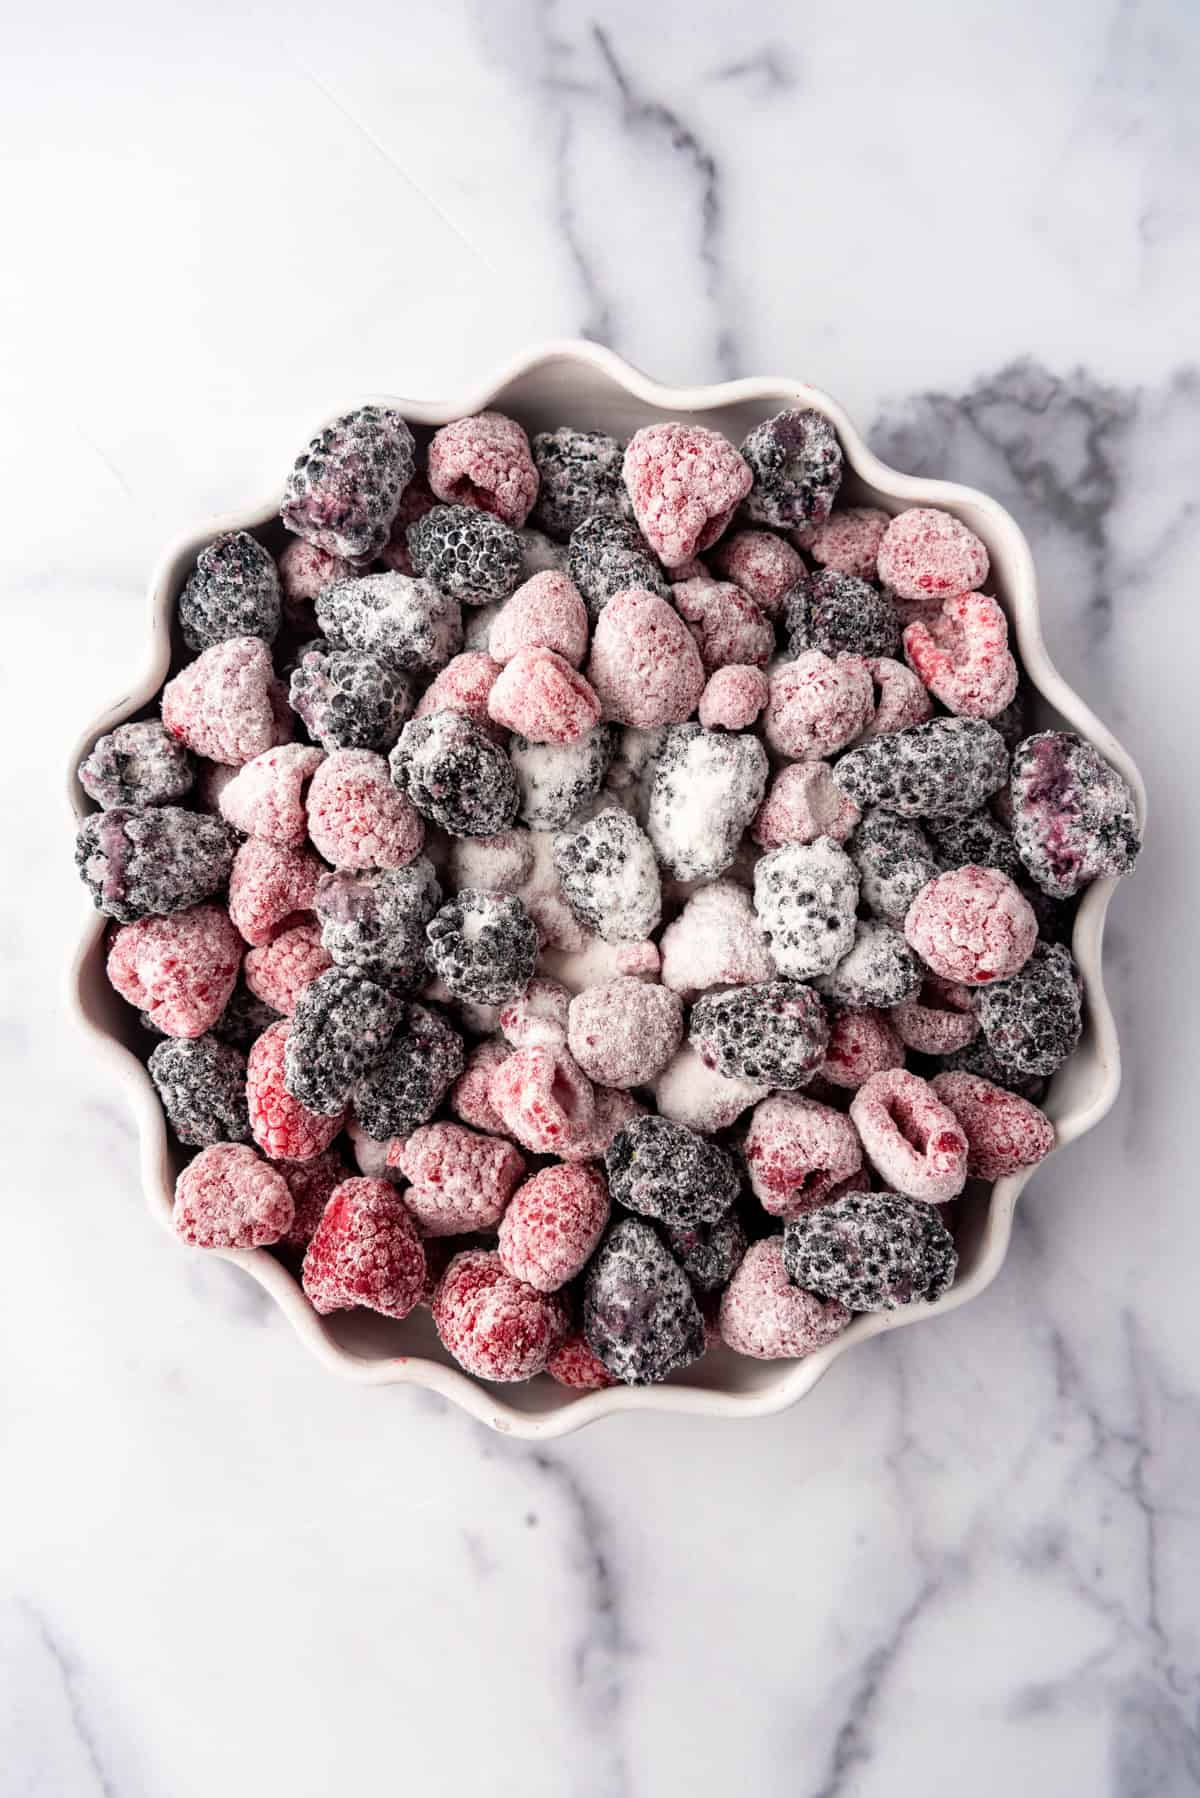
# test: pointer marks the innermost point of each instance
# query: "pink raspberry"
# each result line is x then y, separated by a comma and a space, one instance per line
645, 666
552, 1225
726, 623
265, 798
686, 483
624, 1032
1004, 1132
460, 1180
229, 1198
689, 1092
417, 499
496, 1327
470, 1096
486, 462
637, 958
900, 698
804, 802
861, 1043
212, 778
612, 1109
973, 926
926, 552
715, 941
545, 613
574, 1364
268, 884
278, 971
546, 1101
940, 1019
357, 818
796, 1151
464, 685
733, 697
764, 1315
365, 1251
818, 705
764, 566
544, 698
848, 542
227, 704
311, 1184
912, 1140
963, 658
538, 1017
282, 1127
180, 970
304, 573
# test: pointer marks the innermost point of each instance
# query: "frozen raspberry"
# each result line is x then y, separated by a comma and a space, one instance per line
283, 1128
871, 1251
685, 483
497, 1328
573, 1364
861, 1043
764, 1315
962, 656
268, 884
341, 1026
727, 625
407, 623
937, 1019
228, 1198
894, 858
304, 573
546, 613
797, 1150
180, 969
537, 1017
624, 1032
945, 768
900, 698
977, 839
580, 474
485, 462
233, 592
645, 668
455, 775
460, 1179
879, 970
202, 1084
796, 463
910, 1137
278, 971
402, 1090
136, 764
716, 941
265, 798
804, 802
148, 862
312, 1185
1033, 1021
838, 613
356, 818
557, 781
1074, 818
552, 1224
663, 1170
806, 895
1004, 1133
607, 556
541, 696
417, 499
345, 486
609, 877
733, 697
483, 946
640, 1316
612, 1111
689, 1092
244, 1018
375, 923
708, 785
847, 542
226, 705
365, 1251
972, 926
775, 1032
470, 1097
545, 1100
474, 558
928, 553
464, 685
348, 698
762, 565
817, 705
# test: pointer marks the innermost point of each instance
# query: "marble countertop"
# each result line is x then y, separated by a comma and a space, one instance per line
968, 1560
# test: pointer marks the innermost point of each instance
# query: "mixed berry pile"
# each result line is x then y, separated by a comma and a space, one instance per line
604, 893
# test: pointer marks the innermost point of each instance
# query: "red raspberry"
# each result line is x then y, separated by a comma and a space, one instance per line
486, 462
265, 798
180, 970
940, 1019
268, 884
229, 1198
464, 685
538, 1017
552, 1224
686, 483
304, 573
848, 542
227, 704
861, 1043
912, 1139
311, 1184
624, 1032
470, 1096
495, 1326
804, 802
278, 972
733, 697
764, 1315
927, 552
727, 625
818, 705
546, 613
357, 818
973, 926
900, 698
365, 1251
762, 565
573, 1364
796, 1151
460, 1180
283, 1128
1004, 1132
546, 1101
645, 666
541, 696
612, 1109
963, 658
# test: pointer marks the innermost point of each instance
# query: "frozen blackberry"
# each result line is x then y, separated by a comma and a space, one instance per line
872, 1251
455, 775
1011, 721
346, 486
348, 698
609, 877
880, 970
978, 1058
609, 555
412, 1076
202, 1084
835, 612
977, 840
796, 462
470, 554
708, 784
244, 1018
709, 1254
555, 781
137, 764
894, 858
806, 895
374, 923
233, 592
405, 622
775, 1033
484, 946
580, 477
341, 1026
143, 862
1074, 818
1033, 1021
640, 1315
945, 768
664, 1170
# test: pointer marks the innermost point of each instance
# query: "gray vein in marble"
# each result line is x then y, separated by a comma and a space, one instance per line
597, 322
853, 1746
68, 1678
770, 71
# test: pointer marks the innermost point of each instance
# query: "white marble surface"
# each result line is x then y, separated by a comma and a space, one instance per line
968, 1561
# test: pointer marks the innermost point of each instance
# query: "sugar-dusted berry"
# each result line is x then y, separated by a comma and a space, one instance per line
765, 1315
180, 969
230, 1198
685, 483
485, 461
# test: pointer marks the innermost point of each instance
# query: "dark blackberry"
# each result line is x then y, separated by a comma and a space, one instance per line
709, 1254
141, 862
405, 622
233, 592
349, 699
1074, 818
556, 782
483, 946
579, 477
471, 555
664, 1170
374, 923
346, 486
640, 1315
894, 858
945, 768
608, 875
202, 1084
707, 787
456, 775
412, 1076
835, 612
608, 555
977, 840
341, 1026
796, 461
872, 1251
879, 971
978, 1058
244, 1018
137, 764
1033, 1021
776, 1032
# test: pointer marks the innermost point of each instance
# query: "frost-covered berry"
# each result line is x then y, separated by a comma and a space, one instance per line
972, 926
625, 1031
764, 1315
775, 1032
346, 485
283, 1128
962, 656
136, 764
804, 802
312, 1184
848, 541
552, 1224
404, 1088
229, 1198
485, 462
580, 475
640, 1316
979, 839
202, 1084
227, 704
764, 566
341, 1026
406, 622
879, 969
871, 1251
304, 573
910, 1138
926, 553
939, 1018
179, 970
707, 787
894, 858
715, 941
502, 864
537, 1016
733, 697
356, 817
545, 613
607, 555
349, 698
1074, 818
365, 1251
727, 624
837, 612
469, 554
795, 460
609, 876
1004, 1133
817, 705
945, 768
540, 695
689, 1092
278, 971
900, 698
709, 1253
374, 924
573, 1364
460, 1179
265, 798
644, 668
464, 685
861, 1043
806, 895
685, 483
1033, 1021
663, 1170
496, 1327
470, 1097
976, 1057
545, 1100
267, 884
797, 1151
416, 500
232, 592
139, 862
483, 946
455, 775
556, 781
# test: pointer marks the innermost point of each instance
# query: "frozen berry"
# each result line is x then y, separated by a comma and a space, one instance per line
460, 1180
609, 876
341, 1026
796, 1152
837, 612
138, 863
545, 1100
136, 764
715, 941
468, 554
764, 1315
1034, 1020
879, 969
233, 592
1074, 818
726, 623
805, 895
977, 1058
496, 1327
928, 553
365, 1251
552, 1224
911, 1139
612, 1111
709, 1253
900, 698
707, 787
464, 685
304, 573
229, 1198
202, 1084
265, 798
544, 698
666, 1171
733, 697
580, 474
227, 703
775, 1032
283, 1128
624, 1032
278, 971
537, 1016
796, 464
1004, 1133
861, 1043
501, 864
180, 969
972, 926
356, 817
484, 462
348, 698
645, 668
962, 656
848, 541
267, 884
640, 1316
894, 858
573, 1364
483, 946
607, 555
402, 1090
557, 780
374, 924
455, 775
761, 564
691, 1093
312, 1185
937, 1019
871, 1251
817, 705
405, 622
945, 768
417, 499
345, 487
685, 482
545, 613
470, 1097
977, 839
804, 802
